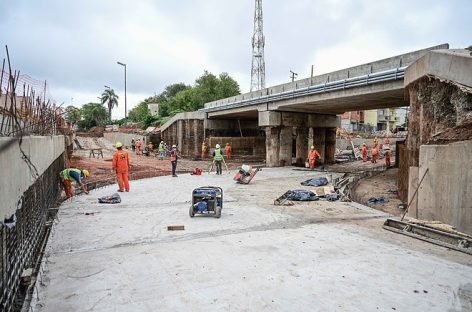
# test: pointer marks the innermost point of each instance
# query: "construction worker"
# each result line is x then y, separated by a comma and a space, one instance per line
133, 142
150, 147
138, 146
312, 155
204, 150
375, 153
161, 150
387, 141
387, 155
228, 151
69, 174
376, 142
218, 158
364, 152
121, 167
173, 159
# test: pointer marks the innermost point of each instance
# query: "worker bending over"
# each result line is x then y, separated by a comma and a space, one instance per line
121, 166
69, 174
312, 155
218, 158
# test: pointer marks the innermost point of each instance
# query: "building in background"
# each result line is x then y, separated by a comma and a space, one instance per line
386, 119
352, 121
153, 109
374, 120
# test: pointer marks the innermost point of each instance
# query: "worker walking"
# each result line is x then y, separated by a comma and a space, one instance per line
228, 151
121, 166
218, 158
138, 146
69, 174
312, 155
364, 152
204, 150
387, 156
173, 159
161, 150
375, 153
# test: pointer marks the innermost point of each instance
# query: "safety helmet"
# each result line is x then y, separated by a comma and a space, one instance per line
118, 144
227, 144
174, 146
217, 145
162, 141
85, 172
312, 147
363, 144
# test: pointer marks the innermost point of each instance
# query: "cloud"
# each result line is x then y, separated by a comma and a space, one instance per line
75, 44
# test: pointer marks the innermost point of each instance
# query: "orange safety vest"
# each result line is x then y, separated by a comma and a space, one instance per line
173, 155
120, 161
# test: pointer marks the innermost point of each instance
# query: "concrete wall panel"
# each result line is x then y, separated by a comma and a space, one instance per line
16, 175
446, 192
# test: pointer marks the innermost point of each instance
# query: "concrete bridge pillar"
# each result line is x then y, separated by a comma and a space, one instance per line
330, 147
272, 146
319, 139
279, 135
285, 152
301, 152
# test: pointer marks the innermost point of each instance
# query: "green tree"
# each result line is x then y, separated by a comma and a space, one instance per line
73, 114
140, 112
110, 99
94, 114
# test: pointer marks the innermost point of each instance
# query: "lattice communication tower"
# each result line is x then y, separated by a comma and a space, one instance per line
258, 43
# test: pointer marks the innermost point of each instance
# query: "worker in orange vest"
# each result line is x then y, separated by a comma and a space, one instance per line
121, 167
312, 155
364, 152
375, 153
228, 151
138, 144
376, 142
387, 155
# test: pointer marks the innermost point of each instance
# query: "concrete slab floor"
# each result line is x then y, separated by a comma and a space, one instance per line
316, 256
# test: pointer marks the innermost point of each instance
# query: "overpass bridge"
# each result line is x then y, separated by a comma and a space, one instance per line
295, 115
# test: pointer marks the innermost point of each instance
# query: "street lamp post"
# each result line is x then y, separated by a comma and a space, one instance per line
124, 65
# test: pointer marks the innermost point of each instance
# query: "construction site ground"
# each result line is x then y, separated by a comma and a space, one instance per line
316, 256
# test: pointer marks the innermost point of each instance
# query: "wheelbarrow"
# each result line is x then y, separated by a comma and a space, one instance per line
207, 200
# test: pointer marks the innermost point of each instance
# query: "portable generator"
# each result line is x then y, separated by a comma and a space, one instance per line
207, 200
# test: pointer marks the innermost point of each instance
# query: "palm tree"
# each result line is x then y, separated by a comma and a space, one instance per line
110, 98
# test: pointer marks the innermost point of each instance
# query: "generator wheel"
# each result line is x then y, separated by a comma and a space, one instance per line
218, 212
191, 212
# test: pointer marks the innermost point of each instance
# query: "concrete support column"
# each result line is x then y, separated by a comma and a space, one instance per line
272, 146
180, 133
285, 154
302, 146
319, 137
330, 148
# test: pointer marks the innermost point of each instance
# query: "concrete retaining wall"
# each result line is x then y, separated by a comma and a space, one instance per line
446, 191
124, 138
16, 175
241, 146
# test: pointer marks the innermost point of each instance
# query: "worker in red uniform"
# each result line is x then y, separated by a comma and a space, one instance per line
69, 174
387, 156
228, 151
138, 145
375, 153
121, 166
376, 142
312, 155
364, 152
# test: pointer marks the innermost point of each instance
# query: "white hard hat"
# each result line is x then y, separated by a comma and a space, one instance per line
174, 146
217, 145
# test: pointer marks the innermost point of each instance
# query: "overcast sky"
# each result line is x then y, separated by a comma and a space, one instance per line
75, 45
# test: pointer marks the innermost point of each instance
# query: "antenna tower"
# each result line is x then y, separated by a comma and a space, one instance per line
258, 43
